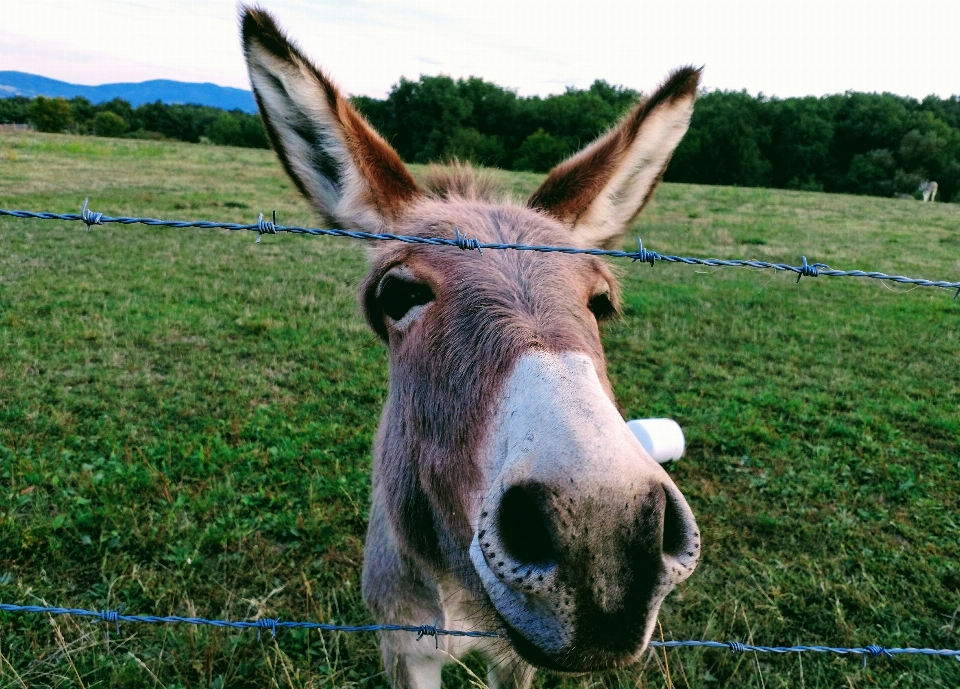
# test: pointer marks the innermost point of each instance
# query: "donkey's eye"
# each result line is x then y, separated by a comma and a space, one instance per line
601, 306
397, 296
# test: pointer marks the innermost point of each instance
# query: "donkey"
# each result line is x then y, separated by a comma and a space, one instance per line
507, 491
929, 190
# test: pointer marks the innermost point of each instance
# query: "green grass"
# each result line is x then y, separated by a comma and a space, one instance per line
186, 421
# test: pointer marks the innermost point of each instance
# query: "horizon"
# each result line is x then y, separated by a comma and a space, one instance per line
113, 83
705, 89
778, 48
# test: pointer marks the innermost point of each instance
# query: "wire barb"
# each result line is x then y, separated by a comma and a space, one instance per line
267, 623
464, 242
89, 217
429, 630
266, 227
643, 255
110, 616
810, 269
736, 646
873, 650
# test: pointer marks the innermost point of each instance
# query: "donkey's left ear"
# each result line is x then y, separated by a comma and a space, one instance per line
600, 190
353, 177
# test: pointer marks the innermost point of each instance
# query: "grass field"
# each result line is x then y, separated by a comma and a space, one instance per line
186, 421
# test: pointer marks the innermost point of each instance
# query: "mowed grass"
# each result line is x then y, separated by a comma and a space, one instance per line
186, 421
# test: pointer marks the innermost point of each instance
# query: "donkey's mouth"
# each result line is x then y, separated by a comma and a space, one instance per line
532, 653
573, 662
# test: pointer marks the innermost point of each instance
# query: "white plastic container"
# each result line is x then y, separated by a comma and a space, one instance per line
661, 438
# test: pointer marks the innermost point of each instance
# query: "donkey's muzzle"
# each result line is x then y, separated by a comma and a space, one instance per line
580, 534
578, 576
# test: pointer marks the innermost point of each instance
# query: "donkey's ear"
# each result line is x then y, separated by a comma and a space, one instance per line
601, 189
339, 162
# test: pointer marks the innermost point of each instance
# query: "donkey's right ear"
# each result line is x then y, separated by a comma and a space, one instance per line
350, 174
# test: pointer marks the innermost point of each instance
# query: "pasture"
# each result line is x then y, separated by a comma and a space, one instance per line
186, 421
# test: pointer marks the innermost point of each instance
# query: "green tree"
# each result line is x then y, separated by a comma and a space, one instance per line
237, 128
469, 145
864, 122
727, 142
106, 123
225, 130
574, 117
14, 110
540, 152
423, 117
183, 122
948, 180
50, 114
873, 173
801, 131
860, 143
118, 106
619, 98
930, 146
493, 115
82, 111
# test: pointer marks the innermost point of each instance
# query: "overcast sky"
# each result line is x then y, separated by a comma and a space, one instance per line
780, 48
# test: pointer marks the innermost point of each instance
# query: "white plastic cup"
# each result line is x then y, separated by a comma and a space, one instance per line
661, 438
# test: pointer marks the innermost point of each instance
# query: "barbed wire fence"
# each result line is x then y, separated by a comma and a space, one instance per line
261, 227
460, 241
115, 617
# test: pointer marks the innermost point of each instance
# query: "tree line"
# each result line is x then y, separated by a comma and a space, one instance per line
117, 118
859, 143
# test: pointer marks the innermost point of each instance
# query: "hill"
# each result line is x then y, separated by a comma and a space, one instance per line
164, 90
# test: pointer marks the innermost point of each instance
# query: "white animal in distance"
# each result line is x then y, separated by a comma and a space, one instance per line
929, 190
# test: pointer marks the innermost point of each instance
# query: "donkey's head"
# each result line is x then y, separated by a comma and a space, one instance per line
501, 456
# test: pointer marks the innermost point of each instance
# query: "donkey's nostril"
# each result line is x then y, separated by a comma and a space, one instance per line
524, 528
675, 539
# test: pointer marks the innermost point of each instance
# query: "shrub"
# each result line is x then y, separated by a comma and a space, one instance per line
14, 110
106, 123
468, 144
237, 129
539, 152
50, 114
146, 135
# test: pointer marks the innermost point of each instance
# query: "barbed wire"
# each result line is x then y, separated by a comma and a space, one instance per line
272, 625
115, 617
642, 254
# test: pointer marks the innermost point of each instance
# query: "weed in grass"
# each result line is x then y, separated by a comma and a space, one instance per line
186, 418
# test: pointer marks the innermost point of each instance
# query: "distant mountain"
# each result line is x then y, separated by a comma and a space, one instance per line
30, 85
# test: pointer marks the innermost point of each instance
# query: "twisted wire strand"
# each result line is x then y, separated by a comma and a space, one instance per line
272, 625
262, 624
468, 244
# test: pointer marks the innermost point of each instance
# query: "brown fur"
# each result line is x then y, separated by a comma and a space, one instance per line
450, 362
459, 180
391, 185
488, 309
573, 184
